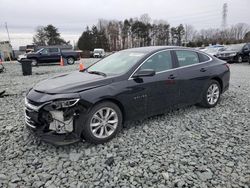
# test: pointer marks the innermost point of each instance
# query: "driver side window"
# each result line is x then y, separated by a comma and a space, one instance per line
45, 51
159, 62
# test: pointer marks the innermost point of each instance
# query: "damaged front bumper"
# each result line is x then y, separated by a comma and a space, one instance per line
55, 121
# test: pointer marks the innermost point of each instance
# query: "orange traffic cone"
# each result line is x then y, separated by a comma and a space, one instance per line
61, 62
81, 67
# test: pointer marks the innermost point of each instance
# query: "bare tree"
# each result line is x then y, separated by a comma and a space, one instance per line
145, 18
190, 33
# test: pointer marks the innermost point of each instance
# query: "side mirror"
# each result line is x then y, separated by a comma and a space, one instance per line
144, 73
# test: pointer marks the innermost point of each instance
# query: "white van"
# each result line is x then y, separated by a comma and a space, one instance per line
99, 53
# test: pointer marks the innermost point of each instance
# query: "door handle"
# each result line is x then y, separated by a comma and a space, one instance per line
203, 70
171, 77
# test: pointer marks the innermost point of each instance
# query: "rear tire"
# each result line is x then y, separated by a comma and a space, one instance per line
211, 94
102, 123
70, 60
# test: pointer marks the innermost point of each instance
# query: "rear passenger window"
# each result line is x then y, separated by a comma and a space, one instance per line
159, 62
203, 57
53, 50
186, 58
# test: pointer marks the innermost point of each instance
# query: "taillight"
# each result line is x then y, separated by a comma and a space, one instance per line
227, 65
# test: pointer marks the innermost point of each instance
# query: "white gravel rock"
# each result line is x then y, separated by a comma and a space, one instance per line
189, 147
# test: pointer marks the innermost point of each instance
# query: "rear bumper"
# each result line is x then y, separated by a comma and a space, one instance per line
226, 81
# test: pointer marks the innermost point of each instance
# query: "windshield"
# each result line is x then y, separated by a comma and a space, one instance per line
211, 50
236, 47
117, 63
98, 51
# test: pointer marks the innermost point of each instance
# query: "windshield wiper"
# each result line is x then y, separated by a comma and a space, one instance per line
98, 73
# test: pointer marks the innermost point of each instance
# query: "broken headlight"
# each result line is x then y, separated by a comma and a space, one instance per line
56, 105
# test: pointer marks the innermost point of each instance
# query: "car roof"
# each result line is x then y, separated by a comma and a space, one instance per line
153, 48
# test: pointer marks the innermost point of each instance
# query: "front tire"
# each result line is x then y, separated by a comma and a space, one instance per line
34, 62
239, 59
102, 123
211, 94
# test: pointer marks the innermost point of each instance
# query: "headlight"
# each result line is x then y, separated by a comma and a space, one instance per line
232, 54
64, 103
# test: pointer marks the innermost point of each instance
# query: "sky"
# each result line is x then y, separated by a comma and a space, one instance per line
72, 17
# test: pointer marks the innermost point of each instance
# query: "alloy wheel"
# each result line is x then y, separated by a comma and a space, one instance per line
104, 122
34, 62
70, 61
239, 59
213, 94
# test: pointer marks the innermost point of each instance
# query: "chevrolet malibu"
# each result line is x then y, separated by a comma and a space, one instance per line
132, 84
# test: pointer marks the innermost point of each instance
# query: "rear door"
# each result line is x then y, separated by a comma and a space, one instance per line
54, 54
194, 74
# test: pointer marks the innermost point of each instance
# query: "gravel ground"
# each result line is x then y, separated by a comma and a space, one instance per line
191, 147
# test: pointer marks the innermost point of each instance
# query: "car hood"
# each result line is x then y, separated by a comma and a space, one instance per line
227, 52
72, 83
31, 53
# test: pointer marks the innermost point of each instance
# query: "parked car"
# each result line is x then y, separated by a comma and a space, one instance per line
98, 53
131, 84
50, 55
214, 50
235, 53
249, 59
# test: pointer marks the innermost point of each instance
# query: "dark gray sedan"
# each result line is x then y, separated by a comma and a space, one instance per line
93, 104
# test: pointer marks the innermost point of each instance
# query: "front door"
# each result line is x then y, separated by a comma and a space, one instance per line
44, 55
161, 90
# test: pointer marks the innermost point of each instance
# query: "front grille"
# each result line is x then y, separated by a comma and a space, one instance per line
32, 113
28, 120
224, 55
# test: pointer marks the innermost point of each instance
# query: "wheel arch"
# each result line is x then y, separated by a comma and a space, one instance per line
220, 82
36, 58
70, 56
117, 102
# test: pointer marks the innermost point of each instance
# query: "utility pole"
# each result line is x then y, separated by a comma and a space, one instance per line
224, 16
6, 26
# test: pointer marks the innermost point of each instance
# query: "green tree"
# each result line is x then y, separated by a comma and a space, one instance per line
180, 31
48, 35
85, 42
40, 37
173, 33
93, 38
125, 33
